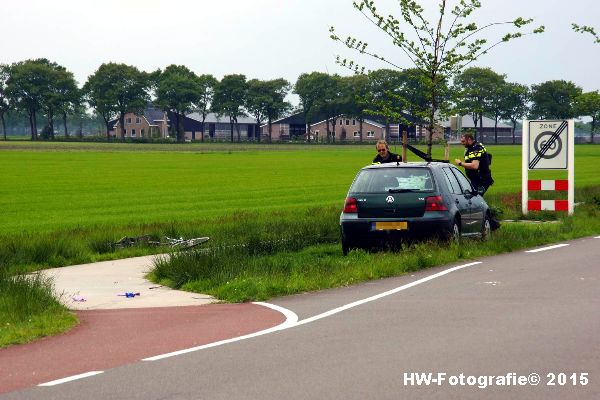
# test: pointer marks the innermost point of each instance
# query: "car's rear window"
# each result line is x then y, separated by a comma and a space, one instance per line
386, 179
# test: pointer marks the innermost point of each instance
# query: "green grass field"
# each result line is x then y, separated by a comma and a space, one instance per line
271, 212
47, 187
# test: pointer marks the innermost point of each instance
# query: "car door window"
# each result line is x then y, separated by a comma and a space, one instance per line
451, 182
464, 182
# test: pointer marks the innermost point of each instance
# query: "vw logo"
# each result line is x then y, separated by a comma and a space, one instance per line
389, 199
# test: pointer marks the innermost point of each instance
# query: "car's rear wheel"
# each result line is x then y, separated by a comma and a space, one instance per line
454, 234
486, 228
345, 247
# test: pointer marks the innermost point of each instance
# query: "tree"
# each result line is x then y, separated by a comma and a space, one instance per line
229, 98
515, 98
206, 88
178, 90
331, 102
356, 104
64, 96
256, 99
28, 88
117, 89
586, 29
266, 99
98, 93
554, 99
440, 50
310, 87
384, 98
588, 105
4, 101
476, 91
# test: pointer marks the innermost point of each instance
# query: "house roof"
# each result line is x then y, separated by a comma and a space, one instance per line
467, 122
223, 119
153, 114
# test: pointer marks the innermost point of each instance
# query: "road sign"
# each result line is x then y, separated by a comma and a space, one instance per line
548, 144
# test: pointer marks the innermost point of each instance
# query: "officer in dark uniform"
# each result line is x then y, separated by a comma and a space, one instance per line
476, 163
384, 155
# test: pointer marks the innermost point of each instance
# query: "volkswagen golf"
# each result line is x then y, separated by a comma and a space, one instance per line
389, 202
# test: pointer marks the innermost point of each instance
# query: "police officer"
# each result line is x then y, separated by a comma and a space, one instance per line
384, 155
476, 163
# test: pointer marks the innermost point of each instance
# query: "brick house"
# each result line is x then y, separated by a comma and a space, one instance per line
153, 123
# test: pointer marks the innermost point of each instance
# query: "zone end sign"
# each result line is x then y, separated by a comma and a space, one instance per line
548, 145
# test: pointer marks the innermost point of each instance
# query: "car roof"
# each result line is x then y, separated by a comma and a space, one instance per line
434, 164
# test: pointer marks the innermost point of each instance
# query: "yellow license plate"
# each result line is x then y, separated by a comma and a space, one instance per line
391, 226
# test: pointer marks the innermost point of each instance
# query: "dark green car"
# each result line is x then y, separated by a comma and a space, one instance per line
389, 202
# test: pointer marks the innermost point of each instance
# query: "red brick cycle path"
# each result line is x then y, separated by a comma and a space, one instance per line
109, 338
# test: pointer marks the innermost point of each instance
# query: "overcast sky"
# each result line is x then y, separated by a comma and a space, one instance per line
268, 39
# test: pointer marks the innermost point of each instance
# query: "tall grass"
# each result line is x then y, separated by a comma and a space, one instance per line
254, 271
29, 309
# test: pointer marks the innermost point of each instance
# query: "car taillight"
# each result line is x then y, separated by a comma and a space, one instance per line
350, 205
434, 203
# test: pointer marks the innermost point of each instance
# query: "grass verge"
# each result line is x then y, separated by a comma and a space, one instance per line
29, 310
250, 272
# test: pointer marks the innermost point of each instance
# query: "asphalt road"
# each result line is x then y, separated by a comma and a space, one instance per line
519, 313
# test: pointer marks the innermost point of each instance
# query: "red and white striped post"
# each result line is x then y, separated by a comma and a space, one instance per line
548, 145
550, 205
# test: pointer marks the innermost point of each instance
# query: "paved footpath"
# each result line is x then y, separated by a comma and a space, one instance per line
116, 330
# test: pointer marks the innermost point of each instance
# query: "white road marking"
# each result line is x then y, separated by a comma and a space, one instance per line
384, 294
71, 378
292, 319
597, 237
556, 246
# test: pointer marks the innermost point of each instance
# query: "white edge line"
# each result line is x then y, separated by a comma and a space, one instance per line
71, 378
292, 318
596, 237
547, 248
384, 294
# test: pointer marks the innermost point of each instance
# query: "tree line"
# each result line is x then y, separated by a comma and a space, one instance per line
45, 91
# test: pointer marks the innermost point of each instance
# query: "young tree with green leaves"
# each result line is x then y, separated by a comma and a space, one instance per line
178, 91
206, 87
229, 98
588, 105
586, 29
438, 49
554, 99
